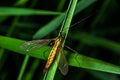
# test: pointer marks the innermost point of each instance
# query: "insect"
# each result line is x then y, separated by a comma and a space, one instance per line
57, 47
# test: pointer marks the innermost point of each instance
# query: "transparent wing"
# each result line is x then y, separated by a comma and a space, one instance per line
35, 44
63, 65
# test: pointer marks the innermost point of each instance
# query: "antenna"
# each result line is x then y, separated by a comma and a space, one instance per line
82, 20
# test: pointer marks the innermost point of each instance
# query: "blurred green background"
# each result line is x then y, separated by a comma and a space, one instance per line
96, 35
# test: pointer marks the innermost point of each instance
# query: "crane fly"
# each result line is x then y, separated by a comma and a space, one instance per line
57, 47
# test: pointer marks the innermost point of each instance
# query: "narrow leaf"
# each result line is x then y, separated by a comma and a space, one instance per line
74, 59
12, 11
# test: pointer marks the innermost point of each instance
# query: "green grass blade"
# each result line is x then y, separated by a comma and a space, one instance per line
68, 18
51, 26
96, 41
30, 74
61, 5
92, 63
100, 14
82, 4
103, 76
22, 70
20, 2
64, 30
7, 43
12, 11
74, 59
